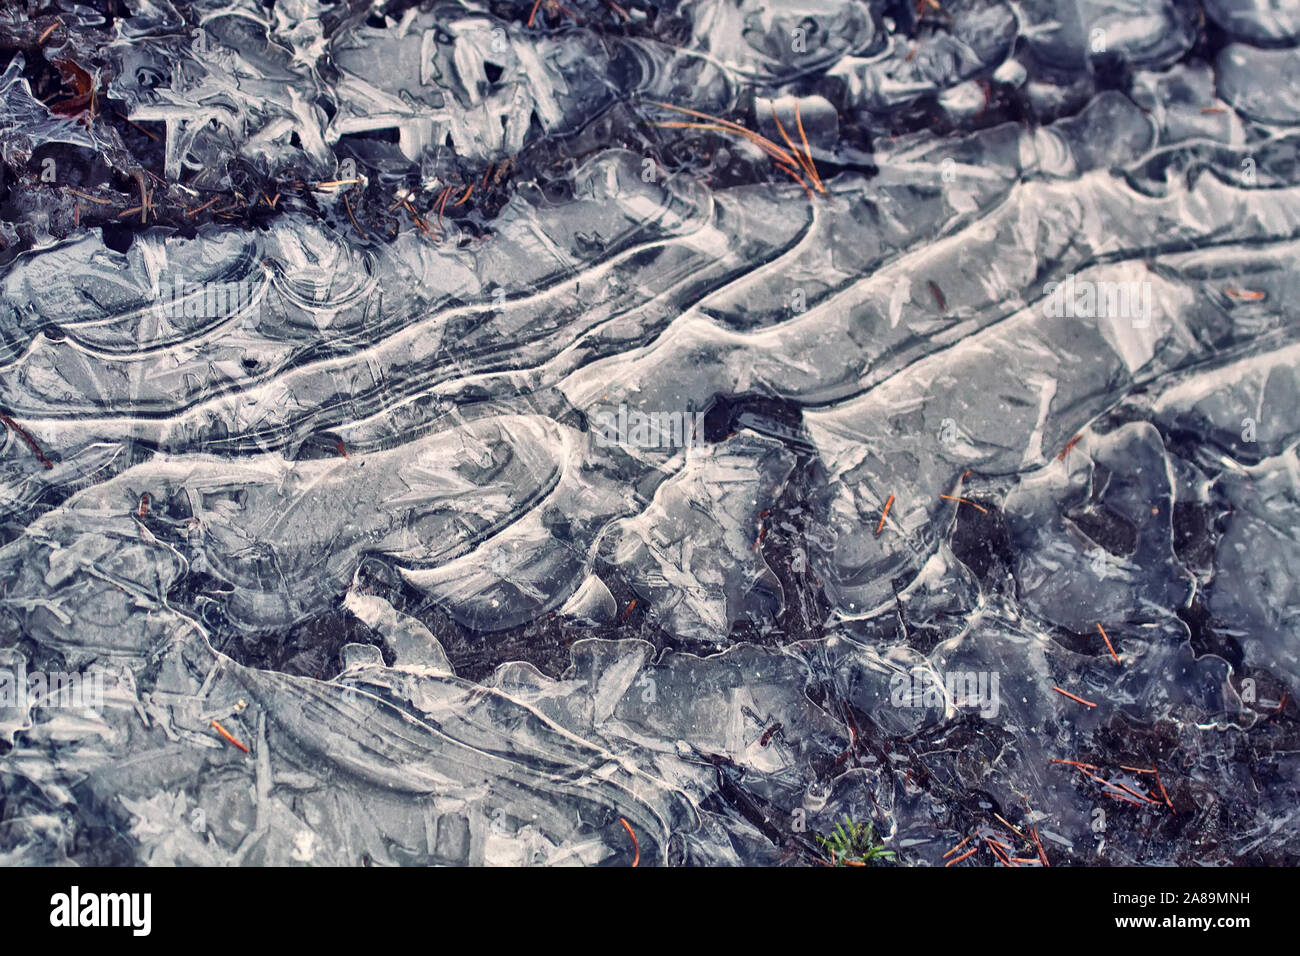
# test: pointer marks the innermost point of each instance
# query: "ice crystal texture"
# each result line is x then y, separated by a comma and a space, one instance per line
330, 472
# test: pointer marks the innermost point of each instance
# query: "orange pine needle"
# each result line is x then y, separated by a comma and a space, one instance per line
884, 514
1010, 826
812, 167
416, 216
1141, 796
533, 15
1075, 763
796, 177
443, 204
1163, 792
965, 501
1109, 646
348, 206
225, 733
1120, 796
97, 201
1248, 295
799, 157
939, 299
956, 848
1068, 445
969, 852
464, 197
48, 30
1042, 855
1119, 786
994, 846
1086, 703
27, 439
713, 121
706, 116
635, 846
762, 142
195, 212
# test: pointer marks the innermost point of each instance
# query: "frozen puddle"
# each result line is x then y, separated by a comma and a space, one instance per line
500, 465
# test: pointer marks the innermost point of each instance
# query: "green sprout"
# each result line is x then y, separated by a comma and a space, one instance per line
855, 844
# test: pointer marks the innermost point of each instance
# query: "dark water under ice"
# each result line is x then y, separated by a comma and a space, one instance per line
645, 487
